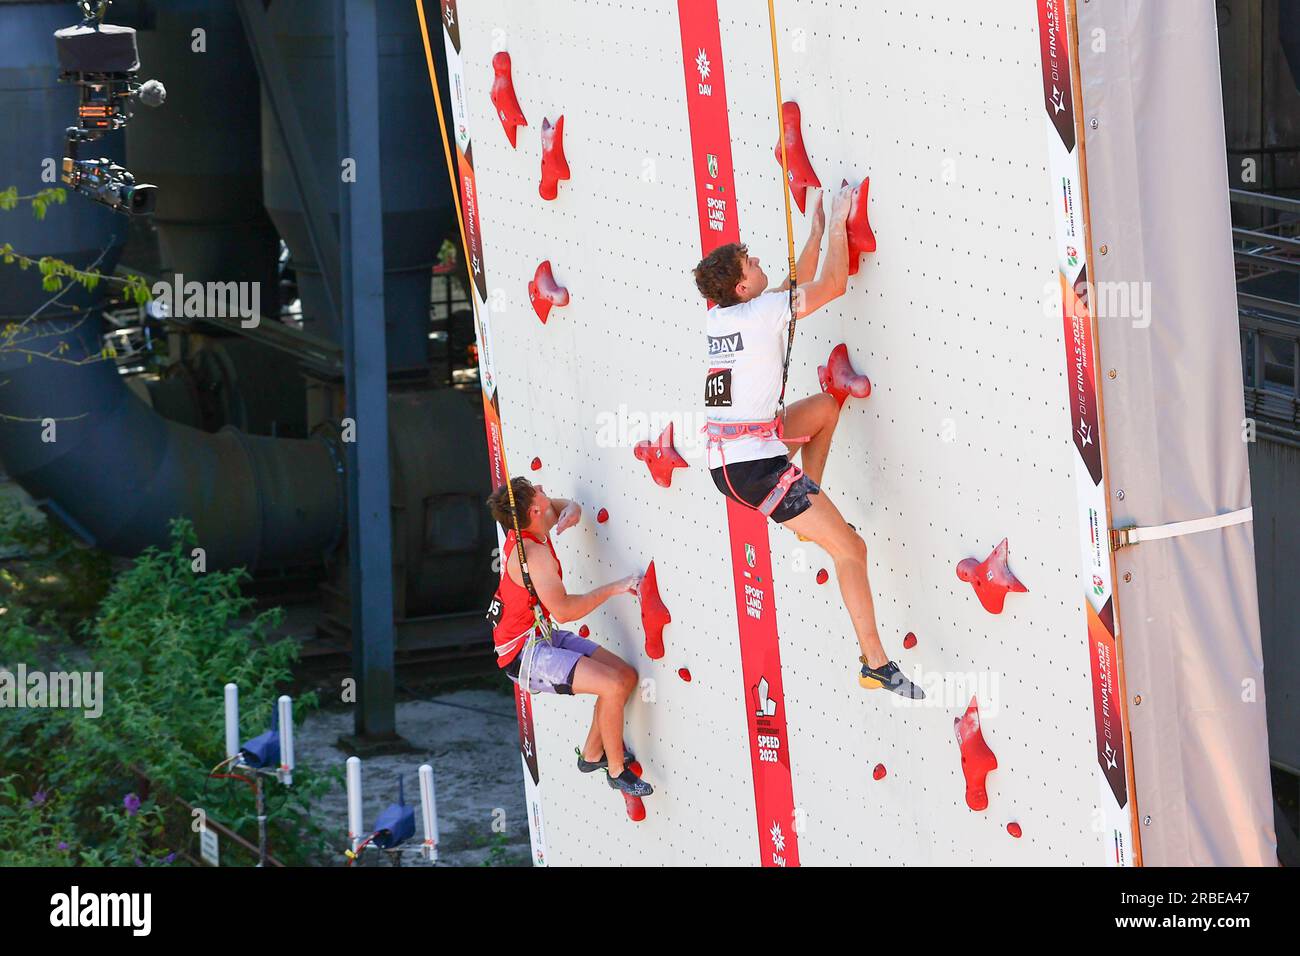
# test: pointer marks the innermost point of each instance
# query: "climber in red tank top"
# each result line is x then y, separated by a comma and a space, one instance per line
567, 664
516, 619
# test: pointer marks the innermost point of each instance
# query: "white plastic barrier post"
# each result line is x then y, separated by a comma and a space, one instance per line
286, 739
354, 801
429, 808
232, 720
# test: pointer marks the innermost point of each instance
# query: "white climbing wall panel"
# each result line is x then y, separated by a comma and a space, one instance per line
965, 440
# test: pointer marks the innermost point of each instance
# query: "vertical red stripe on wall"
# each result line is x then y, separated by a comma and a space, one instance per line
751, 557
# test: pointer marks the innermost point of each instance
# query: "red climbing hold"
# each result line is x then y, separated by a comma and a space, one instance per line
909, 641
635, 808
554, 166
991, 578
503, 96
1014, 830
536, 464
839, 379
661, 457
861, 238
977, 759
684, 674
544, 292
584, 631
879, 772
654, 615
602, 516
822, 576
796, 156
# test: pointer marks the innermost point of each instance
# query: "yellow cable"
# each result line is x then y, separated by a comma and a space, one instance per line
780, 132
464, 242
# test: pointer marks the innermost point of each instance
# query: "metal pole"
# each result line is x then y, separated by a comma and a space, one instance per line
365, 368
261, 819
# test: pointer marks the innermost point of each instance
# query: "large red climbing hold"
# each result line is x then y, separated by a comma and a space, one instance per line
503, 96
584, 631
861, 237
800, 167
602, 516
991, 578
536, 464
823, 576
839, 379
635, 808
909, 641
878, 773
977, 759
654, 614
661, 457
684, 673
554, 166
544, 292
1014, 829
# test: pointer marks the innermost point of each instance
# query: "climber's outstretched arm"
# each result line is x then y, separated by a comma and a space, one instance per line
834, 278
545, 572
806, 265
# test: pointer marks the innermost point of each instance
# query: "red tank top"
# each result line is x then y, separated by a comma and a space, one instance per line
510, 613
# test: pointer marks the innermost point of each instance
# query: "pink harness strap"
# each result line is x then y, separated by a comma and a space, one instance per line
719, 433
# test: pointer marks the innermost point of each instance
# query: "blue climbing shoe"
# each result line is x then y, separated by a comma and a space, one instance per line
630, 784
890, 678
587, 766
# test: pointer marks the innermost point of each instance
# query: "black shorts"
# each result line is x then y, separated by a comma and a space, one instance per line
754, 480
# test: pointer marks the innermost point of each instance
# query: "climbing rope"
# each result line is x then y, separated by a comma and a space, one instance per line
789, 224
542, 625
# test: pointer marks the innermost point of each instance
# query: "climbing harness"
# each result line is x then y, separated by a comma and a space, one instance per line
718, 433
542, 625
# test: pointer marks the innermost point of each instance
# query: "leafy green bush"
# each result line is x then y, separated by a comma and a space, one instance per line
166, 639
61, 581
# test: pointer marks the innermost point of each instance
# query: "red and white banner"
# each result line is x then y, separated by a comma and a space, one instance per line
1079, 333
491, 399
751, 557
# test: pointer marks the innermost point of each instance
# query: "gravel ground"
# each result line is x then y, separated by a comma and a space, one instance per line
470, 738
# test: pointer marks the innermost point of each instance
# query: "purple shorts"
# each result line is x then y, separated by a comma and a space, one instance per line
554, 663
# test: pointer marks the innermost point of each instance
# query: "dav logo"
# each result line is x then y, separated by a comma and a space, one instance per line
726, 343
750, 557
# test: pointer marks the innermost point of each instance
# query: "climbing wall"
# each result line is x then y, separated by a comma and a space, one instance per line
966, 439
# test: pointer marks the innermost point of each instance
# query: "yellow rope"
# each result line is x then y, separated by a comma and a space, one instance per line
789, 224
780, 127
543, 624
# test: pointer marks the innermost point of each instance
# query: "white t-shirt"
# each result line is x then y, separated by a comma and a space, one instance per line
746, 355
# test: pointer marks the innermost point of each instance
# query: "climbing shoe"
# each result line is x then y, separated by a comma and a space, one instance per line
630, 784
587, 766
890, 678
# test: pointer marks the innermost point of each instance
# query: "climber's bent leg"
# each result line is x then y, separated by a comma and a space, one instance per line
612, 685
592, 755
753, 481
824, 524
815, 417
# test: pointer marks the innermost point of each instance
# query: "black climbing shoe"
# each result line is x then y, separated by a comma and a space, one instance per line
587, 766
890, 678
630, 784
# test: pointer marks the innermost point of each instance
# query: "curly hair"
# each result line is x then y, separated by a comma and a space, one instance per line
499, 503
719, 272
